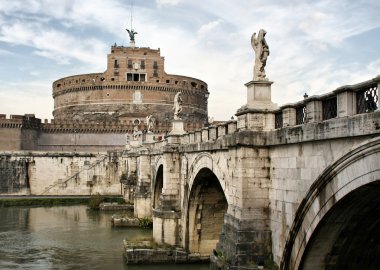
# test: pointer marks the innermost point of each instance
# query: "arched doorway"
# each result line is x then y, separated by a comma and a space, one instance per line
207, 205
158, 184
349, 235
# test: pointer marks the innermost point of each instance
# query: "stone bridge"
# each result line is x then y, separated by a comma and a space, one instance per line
297, 185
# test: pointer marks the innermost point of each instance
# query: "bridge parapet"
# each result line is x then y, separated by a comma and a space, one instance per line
345, 101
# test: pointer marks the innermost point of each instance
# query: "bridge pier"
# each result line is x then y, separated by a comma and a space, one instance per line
167, 215
246, 234
142, 199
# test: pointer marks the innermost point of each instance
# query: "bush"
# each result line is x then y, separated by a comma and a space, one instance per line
95, 201
146, 223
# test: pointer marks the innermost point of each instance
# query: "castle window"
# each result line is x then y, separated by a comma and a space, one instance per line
155, 66
142, 64
167, 81
155, 74
116, 64
130, 64
136, 77
193, 84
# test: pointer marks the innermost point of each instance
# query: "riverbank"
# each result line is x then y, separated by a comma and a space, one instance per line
8, 201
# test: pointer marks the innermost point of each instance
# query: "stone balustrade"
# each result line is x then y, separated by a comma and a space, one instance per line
344, 101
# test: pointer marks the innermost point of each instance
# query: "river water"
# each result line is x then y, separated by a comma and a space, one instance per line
67, 237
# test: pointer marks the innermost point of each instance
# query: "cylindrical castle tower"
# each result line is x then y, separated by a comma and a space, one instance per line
134, 86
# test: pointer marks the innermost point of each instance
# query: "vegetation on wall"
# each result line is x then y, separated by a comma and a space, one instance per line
49, 201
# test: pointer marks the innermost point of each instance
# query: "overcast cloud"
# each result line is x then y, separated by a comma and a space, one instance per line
315, 46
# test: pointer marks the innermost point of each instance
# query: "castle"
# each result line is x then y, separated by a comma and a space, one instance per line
99, 111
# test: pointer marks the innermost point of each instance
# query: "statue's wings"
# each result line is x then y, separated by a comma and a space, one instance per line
254, 41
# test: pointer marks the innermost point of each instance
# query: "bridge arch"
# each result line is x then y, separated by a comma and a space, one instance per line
158, 182
206, 160
344, 198
205, 205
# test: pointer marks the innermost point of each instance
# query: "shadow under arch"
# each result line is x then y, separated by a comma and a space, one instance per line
354, 178
206, 207
158, 185
348, 237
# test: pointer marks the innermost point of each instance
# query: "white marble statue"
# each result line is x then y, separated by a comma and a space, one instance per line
177, 106
149, 123
261, 49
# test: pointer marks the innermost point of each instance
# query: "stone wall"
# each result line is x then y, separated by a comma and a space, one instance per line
293, 169
63, 173
71, 141
10, 139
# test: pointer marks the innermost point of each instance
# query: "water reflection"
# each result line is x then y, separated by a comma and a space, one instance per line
66, 238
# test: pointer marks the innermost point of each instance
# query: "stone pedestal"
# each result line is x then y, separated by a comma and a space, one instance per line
259, 95
177, 128
150, 137
258, 113
133, 144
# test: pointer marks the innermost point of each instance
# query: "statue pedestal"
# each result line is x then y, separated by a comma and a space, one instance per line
150, 137
177, 128
259, 95
258, 113
134, 144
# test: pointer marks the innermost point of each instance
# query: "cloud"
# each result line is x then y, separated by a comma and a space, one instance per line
207, 28
309, 41
53, 44
36, 99
6, 52
161, 3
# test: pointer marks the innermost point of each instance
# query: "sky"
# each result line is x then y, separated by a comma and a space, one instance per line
315, 46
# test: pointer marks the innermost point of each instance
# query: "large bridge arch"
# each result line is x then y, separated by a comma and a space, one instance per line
344, 198
206, 160
206, 202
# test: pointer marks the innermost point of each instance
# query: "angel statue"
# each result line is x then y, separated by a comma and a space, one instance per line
261, 49
132, 34
177, 106
149, 123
